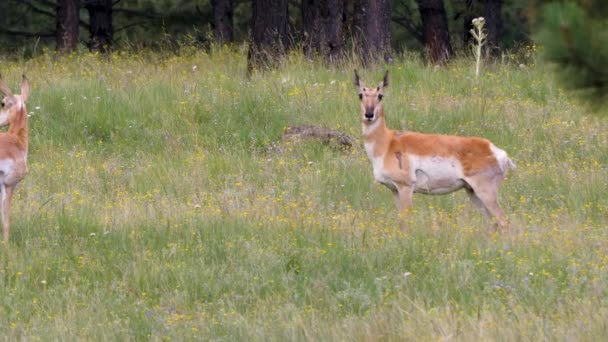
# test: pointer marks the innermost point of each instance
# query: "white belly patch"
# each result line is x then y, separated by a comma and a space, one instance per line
436, 175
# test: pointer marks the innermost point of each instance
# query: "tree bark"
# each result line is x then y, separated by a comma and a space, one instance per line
269, 33
322, 25
493, 16
223, 27
100, 16
435, 31
67, 21
372, 29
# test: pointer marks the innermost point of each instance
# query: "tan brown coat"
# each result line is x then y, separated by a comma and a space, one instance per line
411, 162
13, 147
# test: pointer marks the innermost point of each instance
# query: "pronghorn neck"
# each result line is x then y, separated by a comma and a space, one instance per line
377, 137
18, 127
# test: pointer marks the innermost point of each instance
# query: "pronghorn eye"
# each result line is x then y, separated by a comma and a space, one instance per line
380, 96
360, 98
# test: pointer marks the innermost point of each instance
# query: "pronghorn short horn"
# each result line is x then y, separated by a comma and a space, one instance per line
385, 79
25, 89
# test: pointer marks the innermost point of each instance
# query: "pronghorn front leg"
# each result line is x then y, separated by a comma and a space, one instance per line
403, 200
7, 196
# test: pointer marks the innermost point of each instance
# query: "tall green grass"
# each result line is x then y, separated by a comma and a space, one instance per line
162, 203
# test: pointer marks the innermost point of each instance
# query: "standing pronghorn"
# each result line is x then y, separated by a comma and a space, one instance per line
13, 147
434, 164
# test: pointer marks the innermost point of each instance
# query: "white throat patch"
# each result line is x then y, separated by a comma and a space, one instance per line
368, 128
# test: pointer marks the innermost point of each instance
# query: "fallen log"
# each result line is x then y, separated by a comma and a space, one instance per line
324, 134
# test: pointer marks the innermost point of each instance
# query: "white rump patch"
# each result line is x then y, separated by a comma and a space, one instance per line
504, 163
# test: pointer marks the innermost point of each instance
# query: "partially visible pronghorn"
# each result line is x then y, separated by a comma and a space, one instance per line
13, 147
410, 162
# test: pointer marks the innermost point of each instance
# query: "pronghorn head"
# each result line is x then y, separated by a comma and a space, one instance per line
371, 99
12, 104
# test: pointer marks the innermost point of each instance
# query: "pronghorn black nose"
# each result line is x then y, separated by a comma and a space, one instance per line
369, 115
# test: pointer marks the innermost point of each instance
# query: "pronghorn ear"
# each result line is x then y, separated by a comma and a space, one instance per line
4, 89
357, 80
25, 89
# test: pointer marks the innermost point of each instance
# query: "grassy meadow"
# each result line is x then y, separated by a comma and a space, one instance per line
162, 203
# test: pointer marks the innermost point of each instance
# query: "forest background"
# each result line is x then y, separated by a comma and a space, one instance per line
573, 33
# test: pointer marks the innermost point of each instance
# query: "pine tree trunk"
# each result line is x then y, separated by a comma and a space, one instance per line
372, 29
67, 21
435, 31
223, 28
493, 17
100, 16
269, 33
322, 25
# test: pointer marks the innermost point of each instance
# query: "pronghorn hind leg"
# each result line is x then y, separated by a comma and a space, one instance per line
486, 191
478, 204
490, 200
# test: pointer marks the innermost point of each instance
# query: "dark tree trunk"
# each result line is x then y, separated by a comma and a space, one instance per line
67, 24
323, 24
223, 28
435, 31
493, 16
269, 33
371, 29
100, 16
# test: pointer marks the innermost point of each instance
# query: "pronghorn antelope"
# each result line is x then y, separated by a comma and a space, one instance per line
410, 162
13, 147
